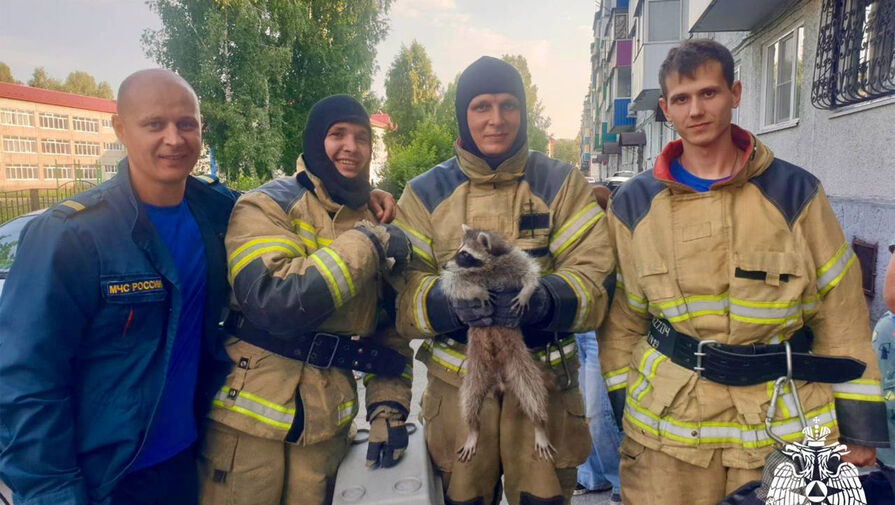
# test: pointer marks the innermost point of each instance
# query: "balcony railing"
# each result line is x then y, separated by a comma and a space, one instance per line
618, 114
730, 15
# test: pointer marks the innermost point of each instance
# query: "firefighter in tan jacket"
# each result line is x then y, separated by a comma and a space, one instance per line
724, 253
546, 208
306, 279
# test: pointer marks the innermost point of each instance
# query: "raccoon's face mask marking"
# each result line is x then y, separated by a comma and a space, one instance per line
466, 260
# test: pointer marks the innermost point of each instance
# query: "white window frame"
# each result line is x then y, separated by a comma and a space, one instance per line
84, 148
66, 172
16, 117
17, 144
794, 113
21, 172
87, 172
113, 146
84, 124
109, 171
56, 143
107, 123
55, 121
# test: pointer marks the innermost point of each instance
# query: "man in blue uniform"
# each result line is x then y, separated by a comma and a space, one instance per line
108, 319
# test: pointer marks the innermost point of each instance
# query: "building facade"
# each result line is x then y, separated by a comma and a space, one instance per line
50, 137
818, 81
381, 124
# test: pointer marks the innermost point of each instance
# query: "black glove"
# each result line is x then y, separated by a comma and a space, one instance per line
399, 247
473, 313
388, 435
540, 305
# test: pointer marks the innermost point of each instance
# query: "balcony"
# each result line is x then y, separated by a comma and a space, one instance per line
730, 15
605, 136
620, 53
645, 87
618, 116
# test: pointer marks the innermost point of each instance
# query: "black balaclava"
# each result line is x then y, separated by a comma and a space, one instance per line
488, 76
353, 193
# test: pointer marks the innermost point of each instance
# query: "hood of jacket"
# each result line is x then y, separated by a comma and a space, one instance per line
479, 172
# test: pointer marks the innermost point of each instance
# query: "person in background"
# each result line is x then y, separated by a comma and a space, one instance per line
884, 345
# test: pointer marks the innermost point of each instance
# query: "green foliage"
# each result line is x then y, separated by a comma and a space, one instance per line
430, 143
566, 150
411, 91
258, 66
537, 121
6, 74
77, 82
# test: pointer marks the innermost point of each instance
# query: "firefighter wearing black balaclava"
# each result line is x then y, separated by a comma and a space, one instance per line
305, 263
546, 208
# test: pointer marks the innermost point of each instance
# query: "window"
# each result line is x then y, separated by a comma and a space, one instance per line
87, 172
51, 146
624, 82
83, 124
53, 121
86, 148
620, 26
110, 171
20, 172
15, 117
57, 172
783, 77
19, 145
113, 146
855, 53
107, 123
664, 20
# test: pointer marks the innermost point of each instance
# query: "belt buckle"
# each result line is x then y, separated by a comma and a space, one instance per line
319, 337
701, 354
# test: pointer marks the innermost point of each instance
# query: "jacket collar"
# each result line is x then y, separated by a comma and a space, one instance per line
301, 171
757, 159
478, 171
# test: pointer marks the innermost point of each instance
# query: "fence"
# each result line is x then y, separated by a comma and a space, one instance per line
15, 203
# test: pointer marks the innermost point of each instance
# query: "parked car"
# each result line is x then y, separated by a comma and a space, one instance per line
9, 239
617, 179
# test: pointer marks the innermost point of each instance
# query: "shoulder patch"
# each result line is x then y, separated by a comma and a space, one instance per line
545, 176
788, 187
439, 182
208, 179
77, 203
285, 191
633, 199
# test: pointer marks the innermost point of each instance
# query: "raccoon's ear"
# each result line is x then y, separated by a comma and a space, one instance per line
484, 240
465, 228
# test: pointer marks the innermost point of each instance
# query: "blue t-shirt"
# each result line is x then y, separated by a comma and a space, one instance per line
681, 175
174, 426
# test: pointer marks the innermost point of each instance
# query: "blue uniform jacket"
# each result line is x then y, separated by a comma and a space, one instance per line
85, 317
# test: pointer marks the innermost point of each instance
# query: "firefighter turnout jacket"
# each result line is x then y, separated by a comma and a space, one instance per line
541, 205
750, 262
298, 266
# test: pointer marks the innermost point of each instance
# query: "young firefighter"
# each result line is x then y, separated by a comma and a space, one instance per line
724, 244
545, 207
306, 278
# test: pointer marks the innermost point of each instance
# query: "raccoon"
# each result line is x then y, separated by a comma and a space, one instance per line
496, 358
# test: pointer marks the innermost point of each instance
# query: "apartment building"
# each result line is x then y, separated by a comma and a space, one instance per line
50, 137
818, 82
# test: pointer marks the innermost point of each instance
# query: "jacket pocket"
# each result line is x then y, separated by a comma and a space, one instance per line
218, 449
569, 432
329, 400
765, 294
655, 280
125, 322
659, 381
441, 428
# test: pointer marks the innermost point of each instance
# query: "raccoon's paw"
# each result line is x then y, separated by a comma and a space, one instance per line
467, 451
543, 447
519, 306
376, 230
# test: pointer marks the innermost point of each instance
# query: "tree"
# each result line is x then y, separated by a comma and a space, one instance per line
103, 90
537, 121
411, 91
40, 79
431, 142
445, 112
566, 150
6, 74
258, 66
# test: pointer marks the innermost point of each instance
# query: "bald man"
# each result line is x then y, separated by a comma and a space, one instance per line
108, 343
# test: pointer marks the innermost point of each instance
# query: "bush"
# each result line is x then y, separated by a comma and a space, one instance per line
430, 144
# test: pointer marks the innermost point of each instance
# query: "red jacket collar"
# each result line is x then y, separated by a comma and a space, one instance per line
662, 169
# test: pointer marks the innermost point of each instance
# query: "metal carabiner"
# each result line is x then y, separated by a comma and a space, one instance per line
562, 356
780, 389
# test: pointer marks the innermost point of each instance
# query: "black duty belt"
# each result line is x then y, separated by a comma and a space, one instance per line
745, 365
321, 350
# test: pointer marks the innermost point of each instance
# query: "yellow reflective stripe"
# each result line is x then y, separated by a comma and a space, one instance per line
649, 363
420, 312
347, 411
330, 280
77, 206
580, 293
862, 390
748, 311
422, 245
617, 379
445, 353
572, 230
832, 272
253, 249
745, 435
343, 267
307, 233
444, 356
255, 407
569, 348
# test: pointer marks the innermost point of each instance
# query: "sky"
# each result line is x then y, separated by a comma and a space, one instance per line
102, 37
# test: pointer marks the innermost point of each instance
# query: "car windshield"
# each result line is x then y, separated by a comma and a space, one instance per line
9, 238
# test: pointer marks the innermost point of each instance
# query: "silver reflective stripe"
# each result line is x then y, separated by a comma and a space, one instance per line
861, 390
580, 293
329, 258
347, 411
768, 313
648, 365
617, 379
422, 245
446, 354
255, 408
829, 275
422, 319
568, 348
573, 229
